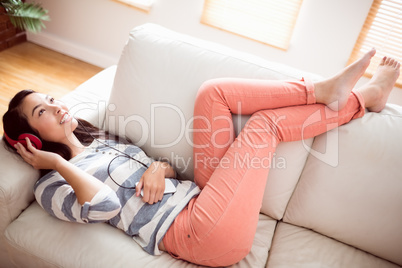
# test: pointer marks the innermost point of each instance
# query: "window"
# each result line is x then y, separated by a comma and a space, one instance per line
382, 30
144, 5
268, 21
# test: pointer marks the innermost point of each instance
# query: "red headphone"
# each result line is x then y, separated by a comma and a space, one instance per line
36, 142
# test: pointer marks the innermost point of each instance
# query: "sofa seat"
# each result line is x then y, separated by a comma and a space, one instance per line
299, 247
100, 245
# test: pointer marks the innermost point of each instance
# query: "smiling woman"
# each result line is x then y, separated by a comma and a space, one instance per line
54, 131
39, 115
48, 117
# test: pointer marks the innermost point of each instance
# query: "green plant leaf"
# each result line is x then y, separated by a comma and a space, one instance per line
27, 16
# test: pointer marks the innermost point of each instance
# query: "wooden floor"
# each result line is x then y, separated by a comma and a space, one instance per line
29, 66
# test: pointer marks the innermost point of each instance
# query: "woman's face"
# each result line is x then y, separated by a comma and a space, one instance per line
49, 117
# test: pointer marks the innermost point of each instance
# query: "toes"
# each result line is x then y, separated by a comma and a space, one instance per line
393, 63
388, 60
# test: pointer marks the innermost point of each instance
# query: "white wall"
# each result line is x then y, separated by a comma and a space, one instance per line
96, 31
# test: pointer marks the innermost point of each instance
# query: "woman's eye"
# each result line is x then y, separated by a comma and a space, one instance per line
41, 111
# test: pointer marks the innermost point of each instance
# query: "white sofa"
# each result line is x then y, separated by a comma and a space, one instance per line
332, 201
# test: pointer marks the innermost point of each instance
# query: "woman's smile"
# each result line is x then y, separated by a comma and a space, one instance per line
65, 118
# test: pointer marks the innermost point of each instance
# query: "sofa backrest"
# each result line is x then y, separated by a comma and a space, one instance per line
355, 194
153, 95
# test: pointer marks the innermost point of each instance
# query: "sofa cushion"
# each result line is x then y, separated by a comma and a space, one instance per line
153, 95
359, 199
41, 238
299, 247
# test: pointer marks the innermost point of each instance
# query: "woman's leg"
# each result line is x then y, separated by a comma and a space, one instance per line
217, 228
218, 99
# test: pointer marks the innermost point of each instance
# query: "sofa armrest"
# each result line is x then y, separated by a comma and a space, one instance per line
16, 183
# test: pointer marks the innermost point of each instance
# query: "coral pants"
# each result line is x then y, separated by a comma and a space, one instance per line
217, 228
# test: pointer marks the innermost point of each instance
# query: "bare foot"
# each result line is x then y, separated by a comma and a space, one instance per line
377, 90
334, 92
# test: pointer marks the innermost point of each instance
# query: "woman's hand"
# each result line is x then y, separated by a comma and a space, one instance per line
37, 158
153, 183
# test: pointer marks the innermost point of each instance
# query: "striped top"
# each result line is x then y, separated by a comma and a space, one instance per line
120, 207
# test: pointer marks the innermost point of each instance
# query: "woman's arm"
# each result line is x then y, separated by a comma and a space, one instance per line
85, 186
169, 171
70, 194
58, 198
153, 181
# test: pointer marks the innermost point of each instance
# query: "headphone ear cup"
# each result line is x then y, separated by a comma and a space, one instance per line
36, 142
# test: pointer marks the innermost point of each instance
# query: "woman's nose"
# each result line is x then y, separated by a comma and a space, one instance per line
61, 105
57, 108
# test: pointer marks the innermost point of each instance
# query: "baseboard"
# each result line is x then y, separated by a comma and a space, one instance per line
71, 49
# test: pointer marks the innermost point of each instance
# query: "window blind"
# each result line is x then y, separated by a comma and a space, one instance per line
382, 30
267, 21
144, 5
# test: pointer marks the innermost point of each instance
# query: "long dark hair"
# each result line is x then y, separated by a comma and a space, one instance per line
15, 123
